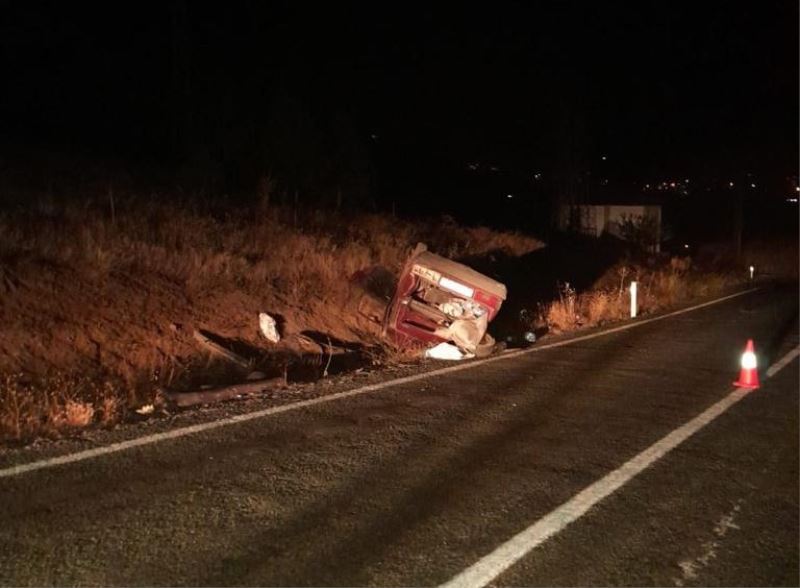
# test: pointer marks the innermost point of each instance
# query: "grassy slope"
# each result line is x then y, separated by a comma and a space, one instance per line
97, 308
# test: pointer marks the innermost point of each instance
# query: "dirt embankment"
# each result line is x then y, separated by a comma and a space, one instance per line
100, 307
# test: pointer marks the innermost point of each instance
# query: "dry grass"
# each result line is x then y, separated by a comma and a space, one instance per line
200, 246
87, 291
562, 315
678, 280
658, 288
54, 406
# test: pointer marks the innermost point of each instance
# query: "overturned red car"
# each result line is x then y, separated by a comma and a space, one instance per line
439, 300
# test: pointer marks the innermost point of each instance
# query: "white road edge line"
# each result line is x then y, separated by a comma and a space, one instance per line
783, 362
16, 470
491, 566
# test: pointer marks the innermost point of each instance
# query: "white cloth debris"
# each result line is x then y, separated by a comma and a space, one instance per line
447, 351
269, 327
146, 409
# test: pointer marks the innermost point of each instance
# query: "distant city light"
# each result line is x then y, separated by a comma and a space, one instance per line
537, 176
797, 189
686, 246
791, 200
752, 185
730, 184
604, 158
509, 195
672, 184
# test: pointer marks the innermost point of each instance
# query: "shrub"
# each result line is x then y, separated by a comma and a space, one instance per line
659, 288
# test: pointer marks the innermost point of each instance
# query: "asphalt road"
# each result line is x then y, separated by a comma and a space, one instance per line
414, 483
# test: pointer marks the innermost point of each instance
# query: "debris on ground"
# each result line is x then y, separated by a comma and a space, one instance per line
447, 351
217, 349
184, 399
269, 328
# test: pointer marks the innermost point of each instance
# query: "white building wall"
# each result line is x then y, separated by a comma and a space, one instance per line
596, 219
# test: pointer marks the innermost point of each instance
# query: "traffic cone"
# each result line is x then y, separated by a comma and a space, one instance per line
748, 375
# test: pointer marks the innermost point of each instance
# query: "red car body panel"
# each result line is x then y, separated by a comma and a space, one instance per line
414, 318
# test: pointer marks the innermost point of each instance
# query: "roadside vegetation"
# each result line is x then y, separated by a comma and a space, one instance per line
658, 288
664, 282
100, 298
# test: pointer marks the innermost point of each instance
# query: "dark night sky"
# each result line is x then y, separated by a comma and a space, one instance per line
659, 87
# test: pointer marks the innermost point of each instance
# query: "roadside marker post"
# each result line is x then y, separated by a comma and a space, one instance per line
634, 307
752, 272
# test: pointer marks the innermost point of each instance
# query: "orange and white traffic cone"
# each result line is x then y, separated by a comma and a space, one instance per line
748, 375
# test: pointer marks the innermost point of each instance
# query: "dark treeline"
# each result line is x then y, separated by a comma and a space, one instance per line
407, 108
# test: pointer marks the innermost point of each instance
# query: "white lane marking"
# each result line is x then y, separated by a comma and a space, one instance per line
492, 565
16, 470
783, 362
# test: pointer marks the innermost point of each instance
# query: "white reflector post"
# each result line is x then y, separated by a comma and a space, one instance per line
749, 360
633, 300
752, 271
